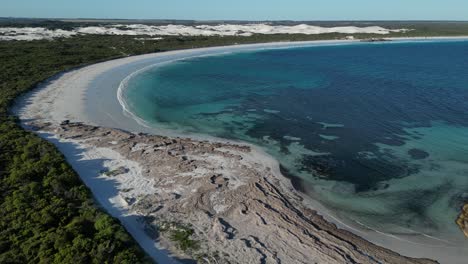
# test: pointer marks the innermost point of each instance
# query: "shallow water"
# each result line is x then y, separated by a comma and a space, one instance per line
377, 132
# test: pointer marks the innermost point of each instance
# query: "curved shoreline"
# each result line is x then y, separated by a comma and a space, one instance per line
54, 104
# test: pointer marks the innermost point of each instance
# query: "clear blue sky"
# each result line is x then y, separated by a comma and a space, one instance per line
240, 9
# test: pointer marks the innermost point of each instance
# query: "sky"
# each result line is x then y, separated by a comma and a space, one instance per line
240, 9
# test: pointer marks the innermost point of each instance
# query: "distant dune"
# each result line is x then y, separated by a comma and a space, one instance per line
35, 33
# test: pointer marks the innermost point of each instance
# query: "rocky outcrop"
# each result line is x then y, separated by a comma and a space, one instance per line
462, 220
222, 203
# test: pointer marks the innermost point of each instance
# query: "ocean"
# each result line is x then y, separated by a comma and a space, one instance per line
376, 132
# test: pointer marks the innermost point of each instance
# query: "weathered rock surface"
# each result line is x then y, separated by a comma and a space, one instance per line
238, 210
462, 220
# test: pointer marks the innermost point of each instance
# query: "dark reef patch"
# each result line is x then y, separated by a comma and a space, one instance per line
296, 182
418, 153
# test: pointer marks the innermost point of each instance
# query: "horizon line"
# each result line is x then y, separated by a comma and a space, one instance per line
237, 20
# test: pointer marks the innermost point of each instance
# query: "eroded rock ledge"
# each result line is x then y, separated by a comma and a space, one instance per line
218, 203
462, 220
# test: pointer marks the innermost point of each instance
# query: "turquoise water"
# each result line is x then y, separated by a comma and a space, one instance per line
378, 133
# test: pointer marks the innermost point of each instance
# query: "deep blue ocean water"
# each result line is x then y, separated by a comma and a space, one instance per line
376, 132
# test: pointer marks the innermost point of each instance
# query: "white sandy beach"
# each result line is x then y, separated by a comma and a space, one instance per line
90, 95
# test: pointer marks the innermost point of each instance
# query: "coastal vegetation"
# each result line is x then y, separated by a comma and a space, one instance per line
181, 235
47, 215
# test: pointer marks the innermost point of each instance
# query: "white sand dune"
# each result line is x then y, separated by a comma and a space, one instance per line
35, 33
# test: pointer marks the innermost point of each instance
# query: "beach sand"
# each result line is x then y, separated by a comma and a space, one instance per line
89, 95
